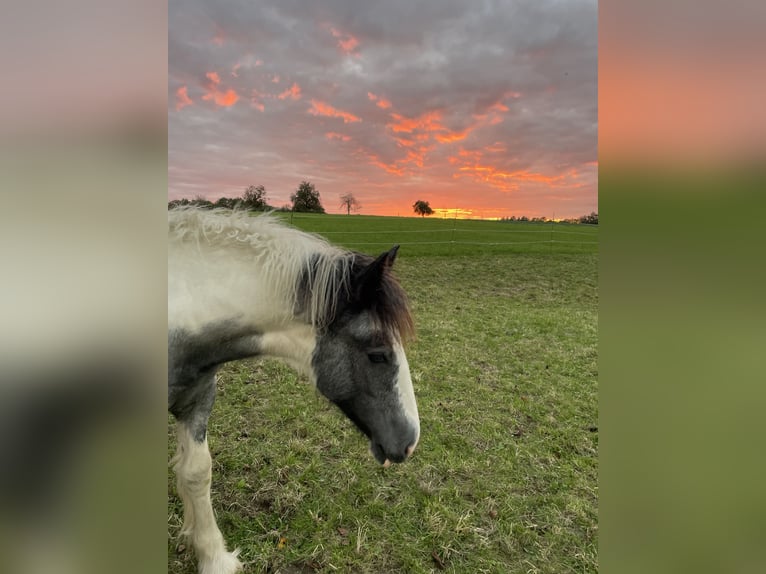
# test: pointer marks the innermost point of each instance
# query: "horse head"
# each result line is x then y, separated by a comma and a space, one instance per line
359, 362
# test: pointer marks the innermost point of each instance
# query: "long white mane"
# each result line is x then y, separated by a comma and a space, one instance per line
265, 247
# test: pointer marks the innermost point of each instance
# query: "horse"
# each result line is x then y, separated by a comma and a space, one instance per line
242, 286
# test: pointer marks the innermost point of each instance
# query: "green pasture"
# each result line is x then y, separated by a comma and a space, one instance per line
437, 236
505, 477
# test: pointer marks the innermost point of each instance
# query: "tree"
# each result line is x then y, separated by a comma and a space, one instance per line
306, 198
226, 202
422, 208
592, 219
254, 198
350, 202
200, 201
178, 202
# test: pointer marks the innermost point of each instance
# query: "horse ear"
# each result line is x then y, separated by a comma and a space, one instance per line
390, 255
373, 274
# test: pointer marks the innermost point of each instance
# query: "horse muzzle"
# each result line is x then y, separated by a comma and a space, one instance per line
396, 454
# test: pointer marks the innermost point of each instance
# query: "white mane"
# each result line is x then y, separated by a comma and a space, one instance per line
235, 244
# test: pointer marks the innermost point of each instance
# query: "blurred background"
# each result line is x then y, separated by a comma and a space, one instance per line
83, 178
682, 134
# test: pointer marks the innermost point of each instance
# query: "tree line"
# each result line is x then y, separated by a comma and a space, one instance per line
590, 219
305, 199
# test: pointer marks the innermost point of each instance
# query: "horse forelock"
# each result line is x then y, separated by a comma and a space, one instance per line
388, 307
391, 307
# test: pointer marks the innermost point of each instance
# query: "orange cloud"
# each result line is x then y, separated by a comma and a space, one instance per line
337, 136
322, 109
506, 180
393, 169
222, 99
293, 92
453, 136
346, 42
429, 121
471, 163
182, 98
493, 116
379, 101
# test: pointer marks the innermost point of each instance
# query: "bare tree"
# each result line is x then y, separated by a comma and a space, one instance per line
350, 203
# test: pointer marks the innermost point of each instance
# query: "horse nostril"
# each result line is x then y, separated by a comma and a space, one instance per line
410, 449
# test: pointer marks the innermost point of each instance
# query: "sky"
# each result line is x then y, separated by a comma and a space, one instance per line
484, 108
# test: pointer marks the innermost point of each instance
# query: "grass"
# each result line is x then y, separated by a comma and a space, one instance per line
433, 236
505, 478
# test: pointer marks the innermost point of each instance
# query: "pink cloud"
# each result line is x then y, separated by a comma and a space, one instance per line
346, 42
379, 101
293, 92
322, 109
220, 98
182, 98
255, 101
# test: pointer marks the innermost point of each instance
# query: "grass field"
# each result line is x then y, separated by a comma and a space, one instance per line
505, 477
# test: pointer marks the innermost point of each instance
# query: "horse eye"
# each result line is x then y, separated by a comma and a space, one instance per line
377, 357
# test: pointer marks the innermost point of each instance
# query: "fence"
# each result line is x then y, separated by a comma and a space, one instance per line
354, 231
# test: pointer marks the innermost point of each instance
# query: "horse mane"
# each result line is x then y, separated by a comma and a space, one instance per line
293, 257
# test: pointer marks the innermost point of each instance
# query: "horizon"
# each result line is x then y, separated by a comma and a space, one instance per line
488, 109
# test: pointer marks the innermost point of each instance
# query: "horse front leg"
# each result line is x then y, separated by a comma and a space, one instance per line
191, 405
193, 468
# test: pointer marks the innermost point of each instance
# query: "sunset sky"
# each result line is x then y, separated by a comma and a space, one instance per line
485, 107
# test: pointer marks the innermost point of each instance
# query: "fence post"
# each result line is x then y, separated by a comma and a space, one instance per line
550, 244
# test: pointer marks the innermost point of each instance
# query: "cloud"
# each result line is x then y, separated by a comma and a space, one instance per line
428, 121
322, 109
222, 99
247, 62
256, 101
346, 42
182, 98
379, 101
337, 136
293, 93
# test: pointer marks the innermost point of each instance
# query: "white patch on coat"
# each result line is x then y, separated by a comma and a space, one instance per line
294, 343
192, 465
407, 393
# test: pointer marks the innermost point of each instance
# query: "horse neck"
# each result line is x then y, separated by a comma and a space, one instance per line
293, 343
